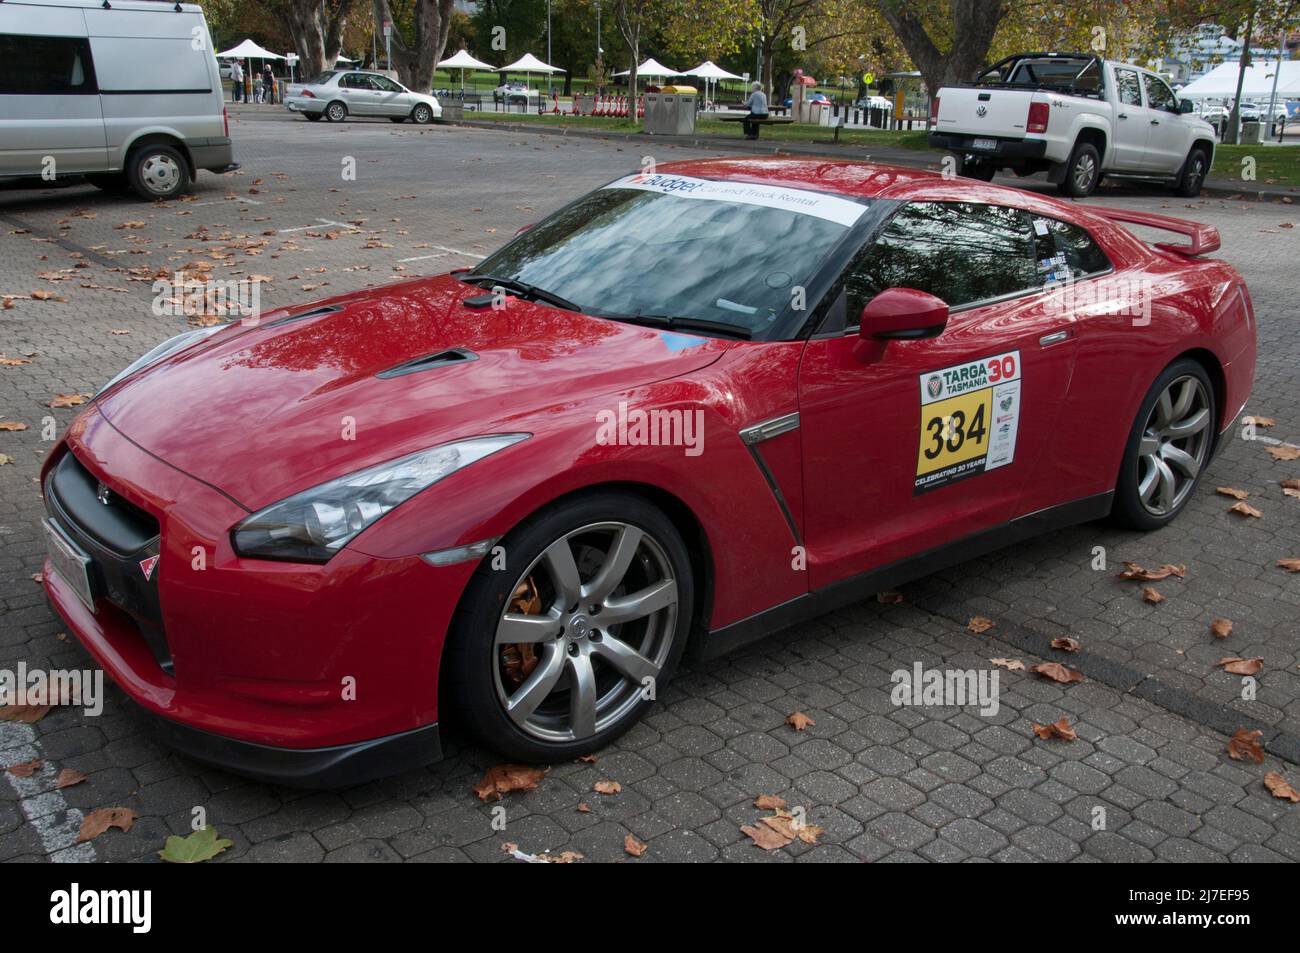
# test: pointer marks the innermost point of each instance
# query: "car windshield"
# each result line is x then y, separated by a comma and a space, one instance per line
671, 246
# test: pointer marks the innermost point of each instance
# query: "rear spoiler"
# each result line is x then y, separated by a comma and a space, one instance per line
1204, 238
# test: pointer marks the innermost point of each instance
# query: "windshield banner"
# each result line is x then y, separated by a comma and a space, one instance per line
818, 204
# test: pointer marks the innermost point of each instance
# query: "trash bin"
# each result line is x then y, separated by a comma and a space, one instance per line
1252, 133
670, 110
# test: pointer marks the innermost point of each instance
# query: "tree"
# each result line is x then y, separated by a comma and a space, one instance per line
316, 27
946, 49
419, 38
633, 18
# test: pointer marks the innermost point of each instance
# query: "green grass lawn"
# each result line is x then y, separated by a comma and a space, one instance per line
1274, 165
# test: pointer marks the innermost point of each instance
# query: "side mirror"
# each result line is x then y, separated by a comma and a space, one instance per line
1186, 106
903, 314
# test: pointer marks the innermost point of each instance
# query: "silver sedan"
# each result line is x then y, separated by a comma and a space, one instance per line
338, 94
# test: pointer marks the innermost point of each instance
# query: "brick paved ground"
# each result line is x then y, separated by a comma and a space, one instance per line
886, 783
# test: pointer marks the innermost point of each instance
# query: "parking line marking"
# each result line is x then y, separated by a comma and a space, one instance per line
44, 806
323, 221
237, 198
457, 251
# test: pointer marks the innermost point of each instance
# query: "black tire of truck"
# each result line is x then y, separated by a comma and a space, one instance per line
973, 168
1082, 171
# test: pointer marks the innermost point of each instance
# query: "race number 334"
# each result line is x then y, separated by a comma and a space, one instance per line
969, 418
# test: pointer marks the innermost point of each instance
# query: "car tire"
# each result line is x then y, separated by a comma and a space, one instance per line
336, 112
982, 169
1192, 176
313, 117
1082, 171
157, 171
1168, 448
422, 114
582, 685
397, 119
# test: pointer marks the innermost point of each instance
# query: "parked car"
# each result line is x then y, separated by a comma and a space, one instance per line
338, 94
811, 98
514, 94
551, 501
875, 102
1076, 117
226, 69
97, 91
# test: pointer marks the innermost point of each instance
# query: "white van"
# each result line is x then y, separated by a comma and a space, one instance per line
125, 93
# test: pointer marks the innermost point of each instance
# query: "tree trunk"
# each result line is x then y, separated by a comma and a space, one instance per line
416, 62
1233, 133
317, 31
974, 24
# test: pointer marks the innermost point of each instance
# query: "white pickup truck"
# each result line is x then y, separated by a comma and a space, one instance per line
1077, 117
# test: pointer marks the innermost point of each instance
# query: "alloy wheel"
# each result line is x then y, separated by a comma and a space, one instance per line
1174, 445
587, 625
1085, 170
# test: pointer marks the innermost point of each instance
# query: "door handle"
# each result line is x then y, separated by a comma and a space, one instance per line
1056, 337
1155, 122
1123, 115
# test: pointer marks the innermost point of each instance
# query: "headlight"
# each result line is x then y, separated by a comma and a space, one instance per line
313, 525
170, 346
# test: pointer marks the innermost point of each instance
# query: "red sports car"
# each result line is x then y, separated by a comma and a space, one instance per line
692, 407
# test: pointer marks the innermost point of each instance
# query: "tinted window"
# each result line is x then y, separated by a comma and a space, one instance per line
354, 81
1159, 96
386, 84
1064, 251
960, 252
1126, 87
41, 65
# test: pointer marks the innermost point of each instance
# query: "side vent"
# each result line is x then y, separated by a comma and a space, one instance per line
458, 355
313, 313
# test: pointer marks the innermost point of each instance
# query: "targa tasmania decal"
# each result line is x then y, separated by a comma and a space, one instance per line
969, 415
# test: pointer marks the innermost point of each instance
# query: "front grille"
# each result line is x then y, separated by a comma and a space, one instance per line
118, 536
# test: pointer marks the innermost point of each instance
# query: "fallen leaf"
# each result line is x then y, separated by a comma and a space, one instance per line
1244, 746
1284, 453
1058, 729
1010, 664
504, 778
607, 787
1290, 564
202, 845
46, 296
1221, 628
1057, 672
1241, 666
633, 846
68, 400
130, 225
1289, 484
1280, 788
1260, 421
98, 821
1244, 509
5, 459
1134, 571
1151, 595
12, 425
979, 624
889, 597
27, 714
769, 802
765, 837
1232, 491
584, 809
13, 361
1065, 644
586, 759
67, 778
799, 721
26, 769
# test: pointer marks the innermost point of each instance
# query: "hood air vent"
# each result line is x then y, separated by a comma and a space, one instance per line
313, 313
457, 355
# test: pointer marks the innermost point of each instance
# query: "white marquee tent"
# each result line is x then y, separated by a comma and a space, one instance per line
1221, 82
651, 67
463, 61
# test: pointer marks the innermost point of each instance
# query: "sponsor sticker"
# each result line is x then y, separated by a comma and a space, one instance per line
969, 417
818, 204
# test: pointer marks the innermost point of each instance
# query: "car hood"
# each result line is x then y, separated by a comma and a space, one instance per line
321, 390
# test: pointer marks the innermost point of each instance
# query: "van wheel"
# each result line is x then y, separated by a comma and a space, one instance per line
1082, 171
1192, 176
157, 171
336, 112
422, 114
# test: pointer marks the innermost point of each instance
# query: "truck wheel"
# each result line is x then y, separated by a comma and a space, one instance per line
1192, 176
982, 169
157, 171
1082, 171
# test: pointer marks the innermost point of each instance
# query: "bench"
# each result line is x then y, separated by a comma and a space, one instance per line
769, 120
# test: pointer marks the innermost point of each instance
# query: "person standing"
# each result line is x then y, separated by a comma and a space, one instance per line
237, 82
268, 83
757, 104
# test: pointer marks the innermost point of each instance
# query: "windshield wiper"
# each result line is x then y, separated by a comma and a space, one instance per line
524, 289
673, 322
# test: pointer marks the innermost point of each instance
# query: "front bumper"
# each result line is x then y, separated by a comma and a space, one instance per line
1004, 149
295, 670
